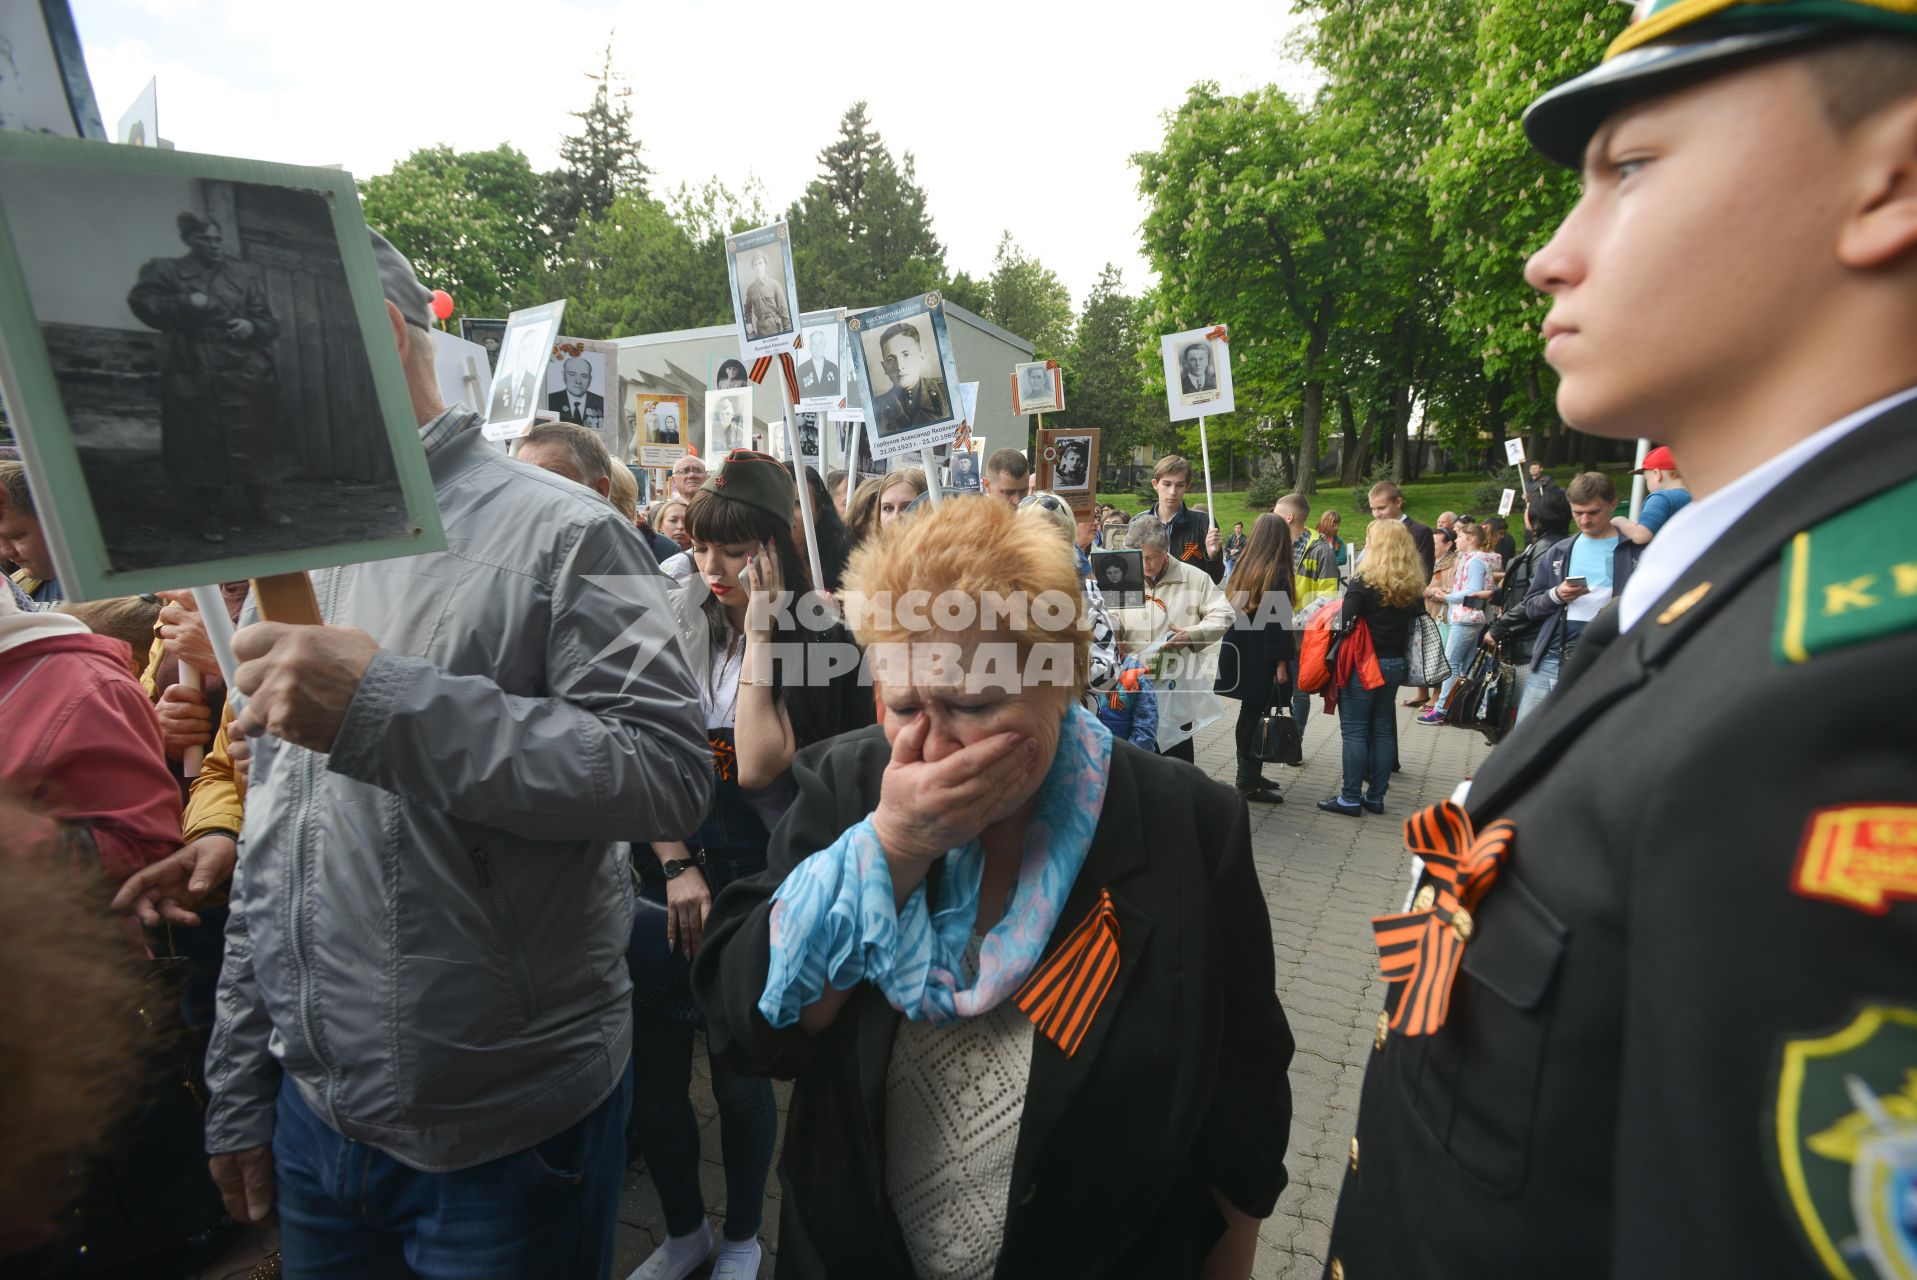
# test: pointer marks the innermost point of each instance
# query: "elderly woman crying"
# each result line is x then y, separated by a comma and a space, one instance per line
1002, 956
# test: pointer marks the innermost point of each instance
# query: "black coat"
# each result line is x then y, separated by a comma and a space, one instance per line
1179, 1085
1513, 628
1249, 655
1636, 1057
1427, 547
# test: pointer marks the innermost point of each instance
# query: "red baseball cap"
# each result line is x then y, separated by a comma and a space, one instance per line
1658, 459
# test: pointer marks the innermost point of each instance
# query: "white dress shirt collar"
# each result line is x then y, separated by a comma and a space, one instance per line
1693, 531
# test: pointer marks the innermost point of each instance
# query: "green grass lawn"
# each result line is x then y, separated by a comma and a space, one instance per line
1424, 500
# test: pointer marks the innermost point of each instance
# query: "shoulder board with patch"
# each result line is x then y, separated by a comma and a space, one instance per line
1850, 579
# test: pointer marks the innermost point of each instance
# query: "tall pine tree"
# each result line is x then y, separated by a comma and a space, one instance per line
861, 234
599, 163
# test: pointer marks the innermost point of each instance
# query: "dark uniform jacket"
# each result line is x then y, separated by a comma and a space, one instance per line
1178, 1087
920, 405
1705, 929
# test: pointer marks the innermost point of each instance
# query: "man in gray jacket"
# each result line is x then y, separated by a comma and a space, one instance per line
424, 1028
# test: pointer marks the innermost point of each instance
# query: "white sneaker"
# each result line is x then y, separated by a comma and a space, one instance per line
737, 1261
678, 1257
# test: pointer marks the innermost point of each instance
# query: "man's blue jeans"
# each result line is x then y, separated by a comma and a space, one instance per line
1544, 678
351, 1212
1367, 723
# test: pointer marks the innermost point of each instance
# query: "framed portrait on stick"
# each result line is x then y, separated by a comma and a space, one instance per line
196, 356
1068, 466
44, 87
901, 357
765, 295
1197, 373
1038, 388
519, 378
820, 359
582, 378
663, 438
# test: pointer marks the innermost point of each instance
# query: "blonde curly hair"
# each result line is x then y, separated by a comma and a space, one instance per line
1391, 565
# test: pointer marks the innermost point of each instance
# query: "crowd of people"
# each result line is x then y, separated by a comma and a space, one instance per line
405, 939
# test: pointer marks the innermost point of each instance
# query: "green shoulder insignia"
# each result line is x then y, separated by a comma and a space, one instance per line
1852, 578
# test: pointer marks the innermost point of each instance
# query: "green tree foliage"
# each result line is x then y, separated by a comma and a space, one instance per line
1028, 298
1105, 386
599, 163
1366, 247
1494, 201
468, 220
861, 232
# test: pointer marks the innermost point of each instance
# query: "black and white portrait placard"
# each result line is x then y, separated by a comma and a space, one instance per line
965, 478
519, 379
765, 295
1068, 465
1038, 387
1120, 577
901, 357
44, 86
728, 423
820, 359
1197, 373
200, 368
810, 426
490, 334
580, 381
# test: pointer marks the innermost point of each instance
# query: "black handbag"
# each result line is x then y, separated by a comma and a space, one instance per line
1277, 740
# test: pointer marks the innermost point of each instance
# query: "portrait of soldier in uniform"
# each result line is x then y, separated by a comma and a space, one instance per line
728, 422
766, 309
219, 384
917, 396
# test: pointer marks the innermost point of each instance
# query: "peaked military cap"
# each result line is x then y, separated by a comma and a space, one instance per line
1670, 39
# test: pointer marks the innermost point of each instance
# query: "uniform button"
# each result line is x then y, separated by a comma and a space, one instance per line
1337, 1270
1384, 1029
1354, 1155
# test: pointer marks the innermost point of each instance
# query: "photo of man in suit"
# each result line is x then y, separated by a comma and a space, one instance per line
1195, 373
766, 312
576, 402
819, 372
916, 398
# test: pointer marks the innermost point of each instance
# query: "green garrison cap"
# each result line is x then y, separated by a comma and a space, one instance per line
1669, 39
756, 479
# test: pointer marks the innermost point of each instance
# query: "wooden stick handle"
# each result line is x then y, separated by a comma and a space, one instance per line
287, 597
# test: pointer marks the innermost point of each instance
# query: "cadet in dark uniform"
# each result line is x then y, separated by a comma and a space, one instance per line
916, 398
1652, 1010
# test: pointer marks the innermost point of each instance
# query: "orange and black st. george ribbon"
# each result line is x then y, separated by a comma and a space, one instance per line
1063, 994
1419, 950
723, 758
760, 367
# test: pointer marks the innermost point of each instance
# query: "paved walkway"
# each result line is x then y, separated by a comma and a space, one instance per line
1324, 878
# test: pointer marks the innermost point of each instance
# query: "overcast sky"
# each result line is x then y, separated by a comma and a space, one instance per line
1022, 116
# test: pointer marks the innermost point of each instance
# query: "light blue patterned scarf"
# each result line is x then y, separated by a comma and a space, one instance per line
833, 918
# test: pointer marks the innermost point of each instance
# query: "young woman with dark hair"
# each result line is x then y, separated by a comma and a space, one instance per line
759, 711
1257, 657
